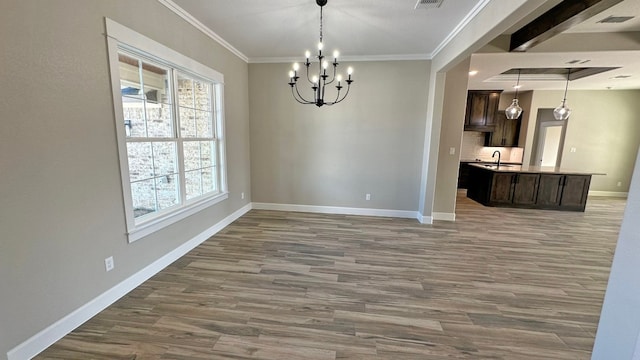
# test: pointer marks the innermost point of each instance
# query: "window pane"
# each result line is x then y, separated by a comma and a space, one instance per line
193, 184
187, 122
156, 83
133, 112
167, 190
207, 153
159, 122
140, 161
202, 95
185, 91
191, 155
209, 183
164, 158
130, 76
143, 194
203, 124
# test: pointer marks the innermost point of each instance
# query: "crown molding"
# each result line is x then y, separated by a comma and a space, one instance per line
467, 19
175, 8
398, 57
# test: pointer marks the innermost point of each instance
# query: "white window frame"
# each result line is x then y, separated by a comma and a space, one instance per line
120, 38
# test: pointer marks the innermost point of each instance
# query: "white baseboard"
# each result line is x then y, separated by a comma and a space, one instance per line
609, 194
444, 216
425, 219
337, 210
45, 338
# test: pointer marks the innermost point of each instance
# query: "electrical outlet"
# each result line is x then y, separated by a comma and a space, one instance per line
108, 263
242, 195
367, 197
573, 149
619, 184
452, 151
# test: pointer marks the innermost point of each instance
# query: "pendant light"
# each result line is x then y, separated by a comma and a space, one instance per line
514, 110
562, 112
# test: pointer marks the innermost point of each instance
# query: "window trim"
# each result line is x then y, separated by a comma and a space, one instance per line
121, 37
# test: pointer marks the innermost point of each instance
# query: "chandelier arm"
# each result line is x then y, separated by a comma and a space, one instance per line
334, 75
309, 80
299, 98
343, 97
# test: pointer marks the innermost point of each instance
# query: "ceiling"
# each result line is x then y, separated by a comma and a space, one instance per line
360, 29
281, 30
588, 44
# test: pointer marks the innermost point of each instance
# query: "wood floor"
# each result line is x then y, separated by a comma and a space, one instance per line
496, 284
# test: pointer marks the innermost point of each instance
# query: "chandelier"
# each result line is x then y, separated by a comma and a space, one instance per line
320, 81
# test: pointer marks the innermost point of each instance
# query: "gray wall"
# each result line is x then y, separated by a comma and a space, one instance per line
604, 127
332, 156
60, 189
619, 327
453, 112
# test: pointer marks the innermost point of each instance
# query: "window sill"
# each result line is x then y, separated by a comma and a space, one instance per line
159, 223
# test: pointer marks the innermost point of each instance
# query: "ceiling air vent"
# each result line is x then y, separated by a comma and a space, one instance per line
615, 19
428, 4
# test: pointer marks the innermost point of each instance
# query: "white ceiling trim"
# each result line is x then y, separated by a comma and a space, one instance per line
270, 60
200, 26
467, 19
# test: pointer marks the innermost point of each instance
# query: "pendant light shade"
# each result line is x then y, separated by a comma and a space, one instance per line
562, 112
514, 110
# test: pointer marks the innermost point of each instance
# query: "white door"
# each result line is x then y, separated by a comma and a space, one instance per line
549, 140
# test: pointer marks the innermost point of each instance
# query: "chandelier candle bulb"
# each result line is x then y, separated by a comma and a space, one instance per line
320, 46
296, 66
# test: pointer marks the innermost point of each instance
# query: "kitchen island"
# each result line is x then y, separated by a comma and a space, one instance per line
532, 187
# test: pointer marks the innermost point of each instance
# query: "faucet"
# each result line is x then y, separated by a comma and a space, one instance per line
494, 154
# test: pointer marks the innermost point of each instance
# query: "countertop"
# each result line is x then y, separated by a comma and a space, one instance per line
530, 169
479, 161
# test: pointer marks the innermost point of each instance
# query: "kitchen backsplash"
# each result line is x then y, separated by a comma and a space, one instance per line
473, 148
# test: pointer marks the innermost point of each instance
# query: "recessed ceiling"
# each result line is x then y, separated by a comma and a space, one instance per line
623, 9
284, 29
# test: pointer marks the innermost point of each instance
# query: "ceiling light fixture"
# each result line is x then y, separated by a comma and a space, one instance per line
514, 110
321, 80
562, 112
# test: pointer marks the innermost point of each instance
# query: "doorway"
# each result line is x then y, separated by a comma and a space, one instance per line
549, 139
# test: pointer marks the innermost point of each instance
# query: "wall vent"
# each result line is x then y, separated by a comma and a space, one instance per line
428, 4
615, 19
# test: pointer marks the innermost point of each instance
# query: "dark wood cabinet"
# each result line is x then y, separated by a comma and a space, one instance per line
464, 177
514, 188
505, 133
482, 108
525, 189
549, 190
529, 189
502, 188
574, 191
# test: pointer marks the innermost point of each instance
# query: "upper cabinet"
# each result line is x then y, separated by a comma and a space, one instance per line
505, 133
482, 108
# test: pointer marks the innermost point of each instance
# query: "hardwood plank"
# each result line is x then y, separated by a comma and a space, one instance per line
497, 284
